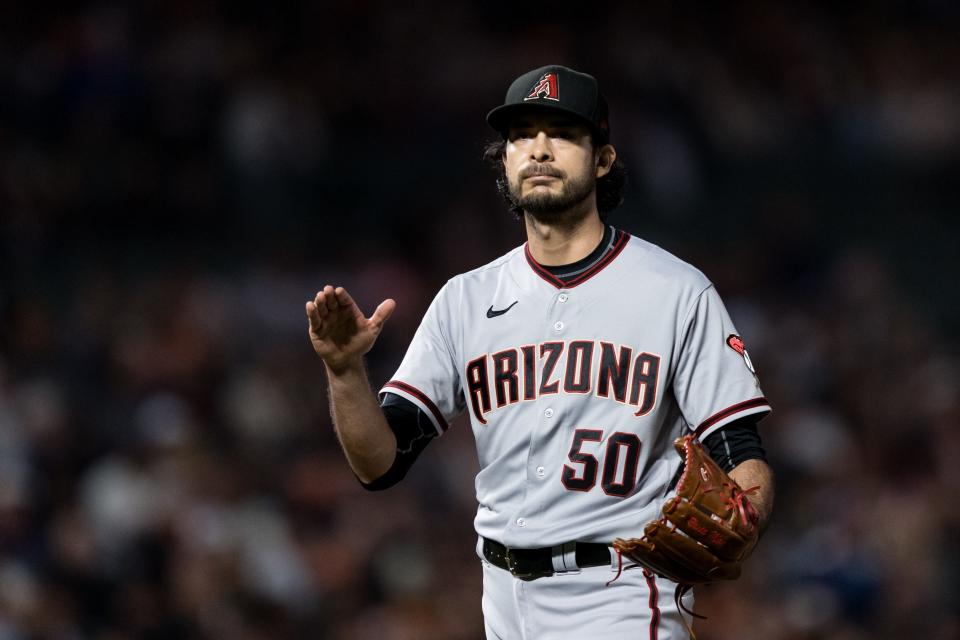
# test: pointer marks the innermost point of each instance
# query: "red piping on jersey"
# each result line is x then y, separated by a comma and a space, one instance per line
422, 397
729, 411
654, 608
621, 241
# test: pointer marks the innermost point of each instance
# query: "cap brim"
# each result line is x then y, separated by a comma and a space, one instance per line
499, 118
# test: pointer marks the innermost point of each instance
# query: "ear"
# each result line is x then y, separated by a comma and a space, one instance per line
606, 156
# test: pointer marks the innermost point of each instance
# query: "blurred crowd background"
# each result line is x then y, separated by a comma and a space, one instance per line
177, 178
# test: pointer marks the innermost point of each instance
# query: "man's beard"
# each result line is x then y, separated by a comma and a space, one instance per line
554, 208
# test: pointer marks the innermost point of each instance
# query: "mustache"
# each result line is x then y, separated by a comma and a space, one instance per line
540, 170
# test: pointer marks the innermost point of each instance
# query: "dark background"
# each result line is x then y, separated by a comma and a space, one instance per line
177, 178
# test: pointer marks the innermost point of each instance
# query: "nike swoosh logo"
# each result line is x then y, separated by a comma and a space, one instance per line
493, 314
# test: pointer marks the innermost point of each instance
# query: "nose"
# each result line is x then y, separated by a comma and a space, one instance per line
541, 150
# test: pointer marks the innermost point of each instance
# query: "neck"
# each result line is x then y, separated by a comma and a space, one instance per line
558, 244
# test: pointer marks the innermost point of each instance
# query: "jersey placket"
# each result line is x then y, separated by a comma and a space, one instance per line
540, 467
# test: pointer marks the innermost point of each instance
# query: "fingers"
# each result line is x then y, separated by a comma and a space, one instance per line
383, 312
313, 316
343, 298
318, 309
320, 302
333, 298
326, 301
330, 300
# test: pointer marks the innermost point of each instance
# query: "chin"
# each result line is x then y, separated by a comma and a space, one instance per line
543, 191
554, 216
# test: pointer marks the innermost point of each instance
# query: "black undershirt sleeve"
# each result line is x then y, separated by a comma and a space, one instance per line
735, 442
730, 445
413, 430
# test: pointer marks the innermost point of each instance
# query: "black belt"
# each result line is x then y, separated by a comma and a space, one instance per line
530, 564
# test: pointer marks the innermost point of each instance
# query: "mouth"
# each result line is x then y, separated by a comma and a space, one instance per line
541, 179
540, 173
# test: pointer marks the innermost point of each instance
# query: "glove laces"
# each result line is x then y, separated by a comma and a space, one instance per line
739, 502
678, 599
736, 500
619, 567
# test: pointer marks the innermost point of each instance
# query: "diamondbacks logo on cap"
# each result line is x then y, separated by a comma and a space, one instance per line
547, 87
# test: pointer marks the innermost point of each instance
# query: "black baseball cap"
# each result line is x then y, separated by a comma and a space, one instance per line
558, 88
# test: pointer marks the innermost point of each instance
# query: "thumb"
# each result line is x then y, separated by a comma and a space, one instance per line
383, 312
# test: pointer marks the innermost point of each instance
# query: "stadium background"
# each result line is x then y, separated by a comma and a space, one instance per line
177, 178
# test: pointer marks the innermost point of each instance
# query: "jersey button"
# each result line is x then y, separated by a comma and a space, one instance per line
541, 471
558, 326
548, 412
562, 297
521, 522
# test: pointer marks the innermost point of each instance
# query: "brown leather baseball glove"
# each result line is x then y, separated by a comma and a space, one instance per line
705, 532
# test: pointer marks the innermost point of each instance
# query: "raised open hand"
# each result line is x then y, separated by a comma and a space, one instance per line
340, 333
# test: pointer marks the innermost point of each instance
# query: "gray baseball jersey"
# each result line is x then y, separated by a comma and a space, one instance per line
576, 392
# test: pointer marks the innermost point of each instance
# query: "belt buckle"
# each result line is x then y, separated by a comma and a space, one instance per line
528, 575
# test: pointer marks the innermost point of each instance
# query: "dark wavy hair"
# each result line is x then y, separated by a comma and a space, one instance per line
610, 187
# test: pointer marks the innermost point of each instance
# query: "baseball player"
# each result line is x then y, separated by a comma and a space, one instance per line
580, 357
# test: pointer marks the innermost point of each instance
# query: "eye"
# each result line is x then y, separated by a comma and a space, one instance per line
564, 134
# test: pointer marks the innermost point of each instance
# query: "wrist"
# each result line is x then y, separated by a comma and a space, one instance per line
346, 369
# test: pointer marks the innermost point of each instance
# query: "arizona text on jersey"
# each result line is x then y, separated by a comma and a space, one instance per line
576, 395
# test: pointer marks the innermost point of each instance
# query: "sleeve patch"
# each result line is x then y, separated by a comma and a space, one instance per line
735, 342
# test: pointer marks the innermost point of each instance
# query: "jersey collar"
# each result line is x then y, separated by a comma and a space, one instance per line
619, 243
